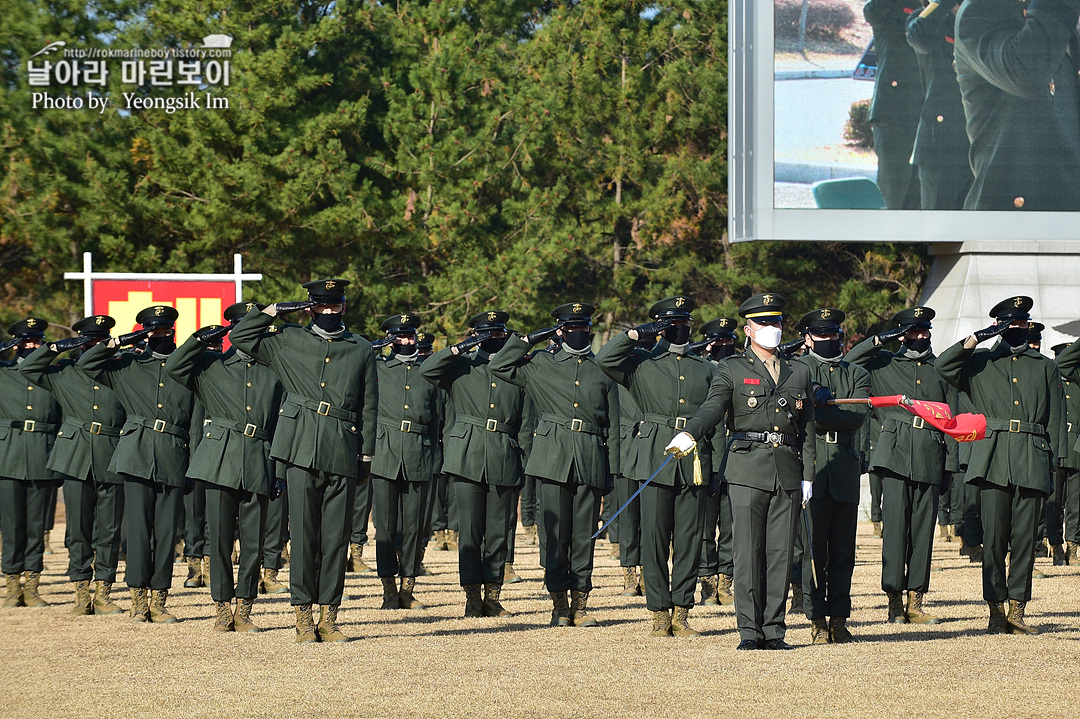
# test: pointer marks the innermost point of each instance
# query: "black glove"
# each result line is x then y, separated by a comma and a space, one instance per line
652, 328
189, 486
277, 489
822, 394
379, 344
609, 485
714, 485
284, 308
791, 347
890, 335
208, 335
132, 338
992, 331
540, 335
363, 471
467, 344
71, 343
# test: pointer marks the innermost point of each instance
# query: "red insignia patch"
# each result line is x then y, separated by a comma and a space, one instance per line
750, 380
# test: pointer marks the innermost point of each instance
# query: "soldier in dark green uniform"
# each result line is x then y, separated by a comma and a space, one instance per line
483, 450
911, 458
717, 565
667, 384
1066, 513
629, 521
405, 449
897, 102
767, 400
241, 398
93, 496
833, 510
151, 456
29, 420
1019, 391
1017, 64
325, 436
575, 453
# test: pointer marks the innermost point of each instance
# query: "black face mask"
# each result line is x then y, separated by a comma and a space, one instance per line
329, 322
677, 334
493, 344
577, 340
161, 345
1015, 336
719, 352
918, 345
407, 350
831, 348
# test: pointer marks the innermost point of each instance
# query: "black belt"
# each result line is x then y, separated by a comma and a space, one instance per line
406, 425
92, 428
322, 408
1014, 425
30, 425
573, 424
491, 425
159, 425
248, 429
773, 438
673, 422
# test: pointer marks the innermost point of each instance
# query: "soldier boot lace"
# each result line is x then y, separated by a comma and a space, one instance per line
224, 620
492, 606
305, 625
679, 625
14, 591
560, 611
30, 590
103, 603
819, 631
915, 612
328, 628
390, 598
998, 624
1015, 619
84, 605
474, 603
578, 616
838, 631
158, 613
896, 608
242, 620
661, 625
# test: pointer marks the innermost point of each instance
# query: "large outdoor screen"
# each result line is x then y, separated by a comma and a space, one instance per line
834, 134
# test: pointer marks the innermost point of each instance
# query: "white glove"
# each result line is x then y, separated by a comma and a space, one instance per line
807, 491
682, 445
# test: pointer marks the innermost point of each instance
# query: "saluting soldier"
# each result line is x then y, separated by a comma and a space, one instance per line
717, 565
668, 384
483, 452
325, 436
93, 496
768, 402
1065, 520
833, 510
29, 420
1019, 391
405, 447
911, 458
151, 456
575, 451
241, 398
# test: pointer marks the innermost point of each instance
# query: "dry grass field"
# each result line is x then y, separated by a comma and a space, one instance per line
433, 663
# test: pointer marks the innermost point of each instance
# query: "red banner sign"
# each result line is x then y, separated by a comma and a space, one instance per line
199, 303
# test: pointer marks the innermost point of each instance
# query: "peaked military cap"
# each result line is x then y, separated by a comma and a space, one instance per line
490, 320
824, 321
400, 324
677, 306
235, 312
424, 341
97, 326
1035, 330
1058, 349
574, 313
763, 306
1014, 308
210, 328
720, 327
157, 316
327, 292
31, 327
914, 318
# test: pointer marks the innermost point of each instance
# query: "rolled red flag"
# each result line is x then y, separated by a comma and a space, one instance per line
965, 427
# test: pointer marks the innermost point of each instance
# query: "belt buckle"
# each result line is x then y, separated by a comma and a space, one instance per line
159, 425
1014, 425
575, 425
406, 425
95, 428
680, 423
492, 425
774, 437
324, 409
1070, 427
918, 422
29, 425
249, 430
830, 438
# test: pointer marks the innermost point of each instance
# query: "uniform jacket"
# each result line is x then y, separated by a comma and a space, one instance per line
407, 440
327, 419
577, 407
29, 421
93, 417
629, 419
1068, 363
898, 91
1024, 405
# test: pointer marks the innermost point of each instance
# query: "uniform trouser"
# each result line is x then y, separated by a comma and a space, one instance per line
50, 509
1010, 517
875, 497
446, 515
629, 522
23, 504
276, 533
195, 521
1063, 507
429, 510
896, 176
94, 512
570, 510
530, 503
763, 524
225, 507
833, 526
671, 515
951, 504
716, 550
151, 514
973, 528
907, 533
320, 505
944, 185
483, 511
399, 514
798, 550
511, 525
607, 508
361, 511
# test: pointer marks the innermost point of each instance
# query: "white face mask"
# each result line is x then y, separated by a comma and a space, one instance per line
768, 336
